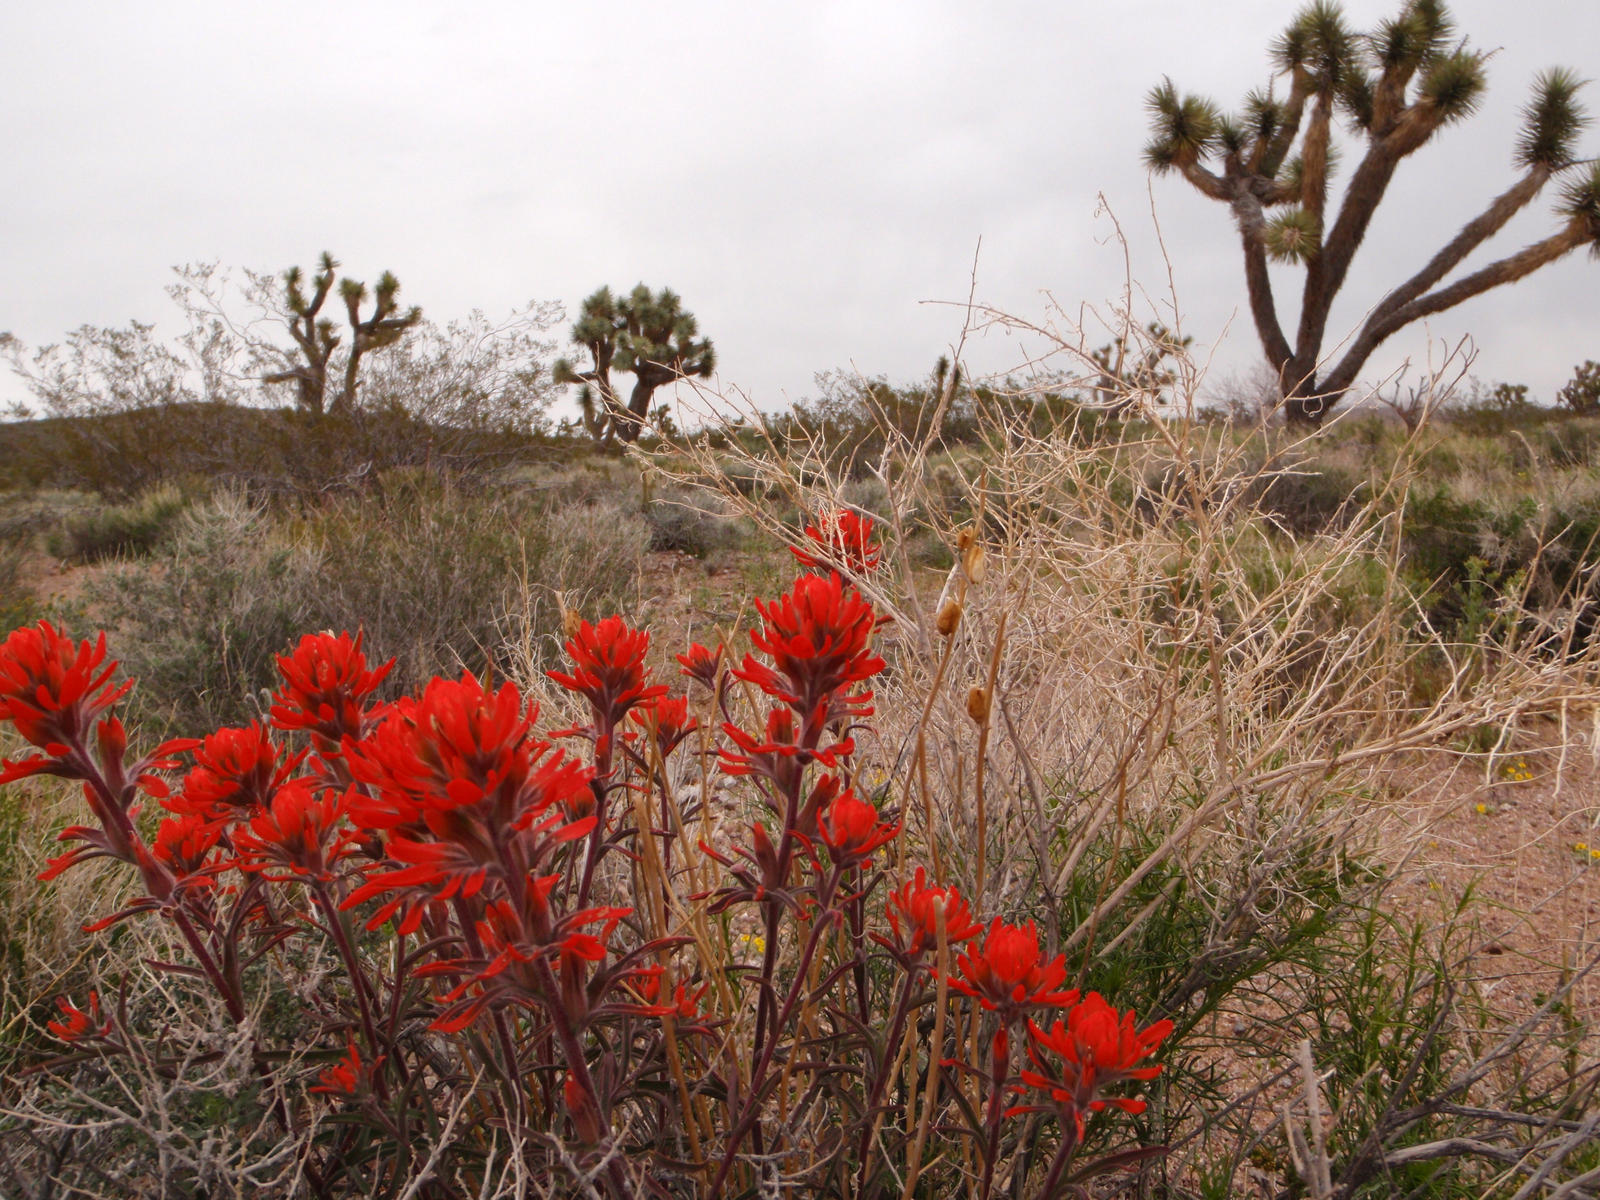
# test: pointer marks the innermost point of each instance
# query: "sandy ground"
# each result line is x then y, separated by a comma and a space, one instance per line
1525, 835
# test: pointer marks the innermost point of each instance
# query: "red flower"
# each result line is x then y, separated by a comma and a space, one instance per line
463, 762
299, 834
684, 1005
757, 756
917, 906
346, 1077
75, 1024
507, 942
702, 665
852, 831
666, 720
608, 668
1096, 1048
184, 857
325, 685
53, 688
845, 539
819, 640
184, 843
1008, 976
461, 781
586, 1122
235, 774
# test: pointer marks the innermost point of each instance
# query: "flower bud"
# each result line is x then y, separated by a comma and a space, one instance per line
949, 619
978, 705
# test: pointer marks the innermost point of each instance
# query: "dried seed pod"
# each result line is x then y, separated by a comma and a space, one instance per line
949, 619
972, 563
571, 620
978, 705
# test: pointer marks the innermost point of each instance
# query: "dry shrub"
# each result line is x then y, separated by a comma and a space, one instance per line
440, 576
1166, 726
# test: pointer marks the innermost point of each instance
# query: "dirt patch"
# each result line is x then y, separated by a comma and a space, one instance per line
1521, 833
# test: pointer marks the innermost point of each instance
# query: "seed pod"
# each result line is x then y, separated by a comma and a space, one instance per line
978, 705
570, 618
949, 619
972, 563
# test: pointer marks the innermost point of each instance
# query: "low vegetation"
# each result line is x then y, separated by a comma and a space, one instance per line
1141, 690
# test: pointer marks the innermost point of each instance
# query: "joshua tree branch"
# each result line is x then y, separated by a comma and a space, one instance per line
1263, 309
1294, 109
1207, 182
1507, 270
1472, 235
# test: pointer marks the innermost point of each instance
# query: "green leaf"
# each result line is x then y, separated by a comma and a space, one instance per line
1292, 236
1454, 84
1551, 121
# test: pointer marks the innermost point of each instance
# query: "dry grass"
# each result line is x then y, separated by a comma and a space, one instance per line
1171, 672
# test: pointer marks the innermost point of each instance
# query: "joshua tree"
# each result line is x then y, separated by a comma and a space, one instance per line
1581, 393
1397, 86
317, 337
1131, 367
645, 333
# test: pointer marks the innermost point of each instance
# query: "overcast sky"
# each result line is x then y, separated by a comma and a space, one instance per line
806, 176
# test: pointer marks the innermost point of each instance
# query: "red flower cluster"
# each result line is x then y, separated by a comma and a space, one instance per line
608, 668
466, 819
455, 776
845, 540
235, 775
702, 665
851, 830
913, 912
76, 1025
819, 638
346, 1077
684, 1005
184, 844
52, 688
1094, 1049
298, 834
326, 686
1008, 975
666, 722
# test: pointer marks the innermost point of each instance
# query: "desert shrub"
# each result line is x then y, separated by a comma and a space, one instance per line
16, 599
687, 524
129, 530
437, 572
1311, 500
1567, 444
203, 618
438, 575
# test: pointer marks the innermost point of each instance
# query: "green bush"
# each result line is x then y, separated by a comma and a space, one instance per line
120, 530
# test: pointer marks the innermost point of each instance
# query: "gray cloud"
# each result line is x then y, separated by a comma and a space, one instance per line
803, 175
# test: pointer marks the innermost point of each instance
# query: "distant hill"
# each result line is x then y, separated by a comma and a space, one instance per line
121, 453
